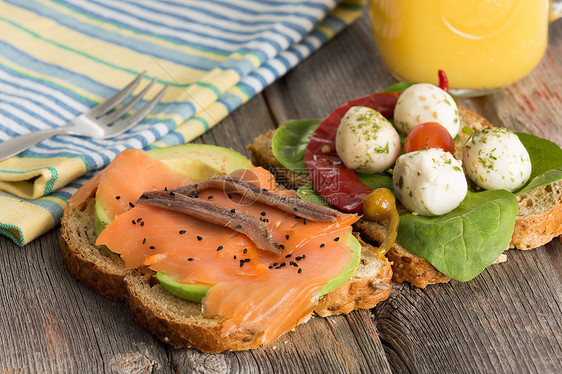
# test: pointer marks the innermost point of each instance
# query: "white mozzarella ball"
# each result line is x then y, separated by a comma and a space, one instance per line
366, 141
495, 158
430, 182
424, 102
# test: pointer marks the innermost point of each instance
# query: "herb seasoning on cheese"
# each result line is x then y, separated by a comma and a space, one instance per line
495, 158
366, 141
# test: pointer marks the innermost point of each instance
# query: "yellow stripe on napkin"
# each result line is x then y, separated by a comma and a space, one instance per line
31, 178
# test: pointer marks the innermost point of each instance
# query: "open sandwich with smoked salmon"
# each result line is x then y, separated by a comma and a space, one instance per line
467, 190
210, 253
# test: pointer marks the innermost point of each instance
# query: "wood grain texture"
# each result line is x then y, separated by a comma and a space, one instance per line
51, 323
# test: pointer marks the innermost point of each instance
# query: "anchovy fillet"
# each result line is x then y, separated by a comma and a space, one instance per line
251, 193
209, 212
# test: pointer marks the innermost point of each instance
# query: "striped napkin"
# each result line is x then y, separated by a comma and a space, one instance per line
59, 58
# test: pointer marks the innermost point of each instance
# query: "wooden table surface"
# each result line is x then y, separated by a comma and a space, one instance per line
506, 320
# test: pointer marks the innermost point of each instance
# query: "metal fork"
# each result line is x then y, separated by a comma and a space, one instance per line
100, 122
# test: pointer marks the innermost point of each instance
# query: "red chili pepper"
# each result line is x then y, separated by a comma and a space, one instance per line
443, 81
337, 184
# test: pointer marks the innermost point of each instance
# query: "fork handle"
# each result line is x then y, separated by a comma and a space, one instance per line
14, 146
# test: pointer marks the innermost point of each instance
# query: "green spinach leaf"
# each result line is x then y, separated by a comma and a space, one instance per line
290, 141
398, 87
376, 180
546, 158
466, 240
307, 192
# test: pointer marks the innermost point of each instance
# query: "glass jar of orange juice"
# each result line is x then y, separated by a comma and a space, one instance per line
482, 45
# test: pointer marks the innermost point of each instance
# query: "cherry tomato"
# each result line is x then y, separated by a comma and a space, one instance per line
429, 135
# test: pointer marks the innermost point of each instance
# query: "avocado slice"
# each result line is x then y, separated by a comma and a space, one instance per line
196, 161
196, 292
201, 161
101, 219
192, 292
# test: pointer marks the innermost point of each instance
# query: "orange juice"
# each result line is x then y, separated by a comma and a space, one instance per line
480, 44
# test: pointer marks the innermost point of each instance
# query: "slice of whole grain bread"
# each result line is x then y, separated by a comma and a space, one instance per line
177, 321
539, 218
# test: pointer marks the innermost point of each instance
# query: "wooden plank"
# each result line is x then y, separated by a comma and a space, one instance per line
51, 323
338, 344
508, 319
241, 127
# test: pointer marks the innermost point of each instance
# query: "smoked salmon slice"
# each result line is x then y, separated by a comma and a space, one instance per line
255, 291
121, 183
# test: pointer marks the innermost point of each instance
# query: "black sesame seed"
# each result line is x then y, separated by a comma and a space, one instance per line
232, 210
289, 256
172, 194
139, 219
295, 209
282, 264
238, 226
131, 205
165, 188
322, 245
190, 259
304, 221
300, 271
199, 238
281, 246
182, 232
242, 263
245, 250
293, 263
303, 256
152, 247
266, 219
134, 222
219, 248
210, 197
247, 259
235, 257
263, 213
283, 199
264, 189
144, 241
271, 267
287, 237
230, 196
142, 223
117, 197
275, 264
336, 238
298, 258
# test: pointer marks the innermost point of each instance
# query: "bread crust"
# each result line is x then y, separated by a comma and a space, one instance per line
530, 231
359, 292
406, 266
534, 230
196, 331
94, 266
